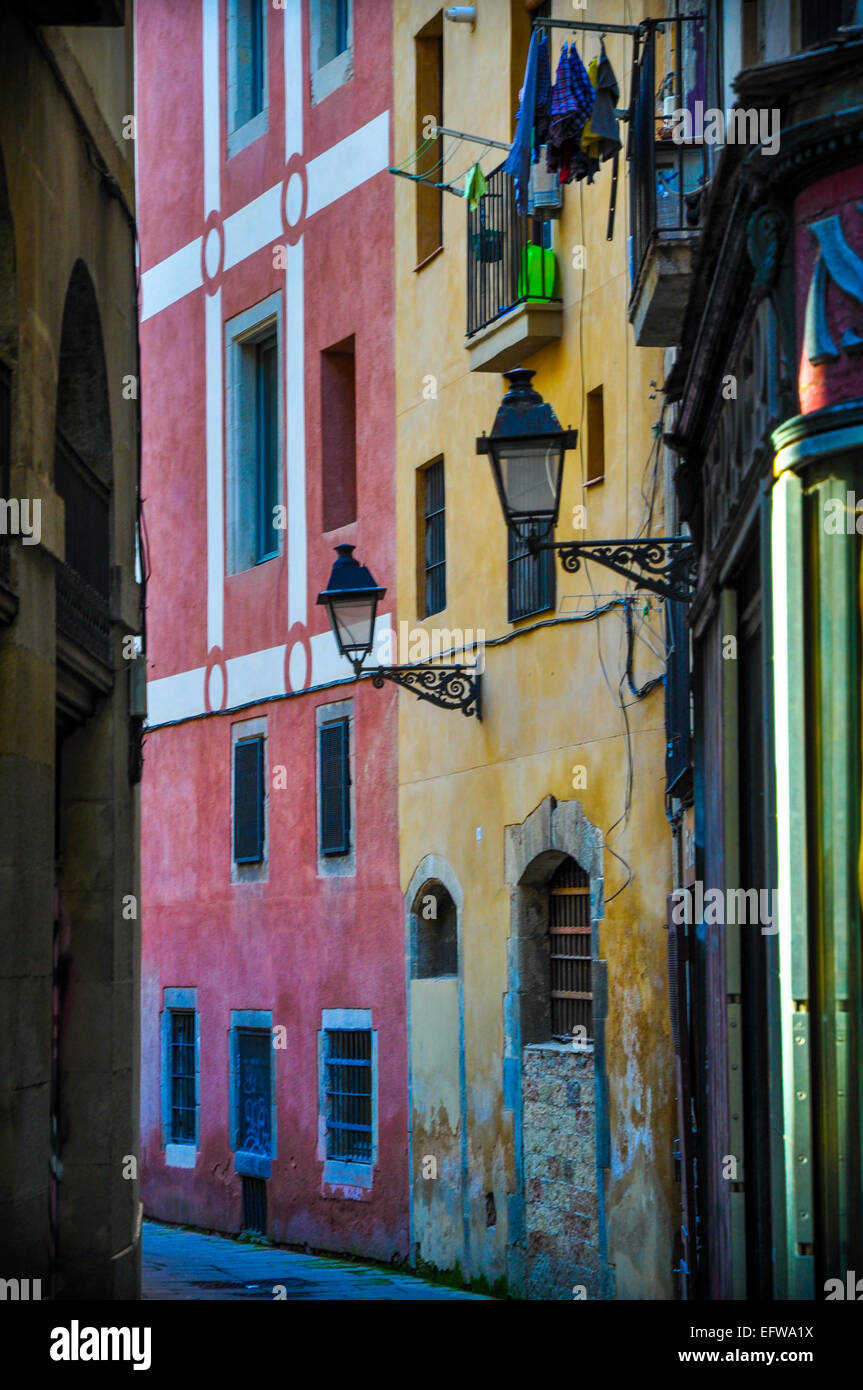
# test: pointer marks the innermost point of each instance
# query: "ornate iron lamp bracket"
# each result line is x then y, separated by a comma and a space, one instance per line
666, 565
448, 687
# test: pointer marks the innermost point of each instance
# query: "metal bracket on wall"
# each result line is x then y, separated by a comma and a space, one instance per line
448, 687
666, 565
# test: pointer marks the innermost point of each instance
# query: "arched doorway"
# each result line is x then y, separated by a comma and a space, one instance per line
88, 819
439, 1225
554, 1017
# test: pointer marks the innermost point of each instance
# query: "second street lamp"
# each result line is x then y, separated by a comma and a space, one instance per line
526, 448
351, 599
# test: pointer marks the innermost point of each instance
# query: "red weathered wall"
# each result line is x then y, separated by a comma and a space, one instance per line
295, 944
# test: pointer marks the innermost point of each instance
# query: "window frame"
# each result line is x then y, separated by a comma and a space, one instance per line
251, 870
179, 1153
240, 134
343, 863
346, 1173
245, 334
329, 76
424, 517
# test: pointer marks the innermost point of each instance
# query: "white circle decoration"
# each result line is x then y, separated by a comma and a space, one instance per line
212, 251
294, 199
298, 667
216, 687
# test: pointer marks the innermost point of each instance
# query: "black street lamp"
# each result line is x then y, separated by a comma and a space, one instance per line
351, 599
526, 448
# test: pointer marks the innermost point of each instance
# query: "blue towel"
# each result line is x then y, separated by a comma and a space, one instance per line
519, 158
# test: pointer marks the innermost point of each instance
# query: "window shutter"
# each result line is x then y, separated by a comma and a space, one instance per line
249, 801
335, 789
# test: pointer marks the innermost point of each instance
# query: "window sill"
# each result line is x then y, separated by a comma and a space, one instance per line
348, 1175
332, 75
180, 1155
421, 265
247, 133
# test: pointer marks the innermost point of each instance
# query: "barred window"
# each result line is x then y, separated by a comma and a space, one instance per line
183, 1107
349, 1094
530, 579
569, 933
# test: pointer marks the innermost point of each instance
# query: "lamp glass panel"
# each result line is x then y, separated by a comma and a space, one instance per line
530, 477
354, 621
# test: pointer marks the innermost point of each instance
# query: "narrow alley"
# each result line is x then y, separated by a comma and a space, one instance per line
183, 1264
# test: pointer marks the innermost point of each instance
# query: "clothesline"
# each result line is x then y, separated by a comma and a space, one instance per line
454, 184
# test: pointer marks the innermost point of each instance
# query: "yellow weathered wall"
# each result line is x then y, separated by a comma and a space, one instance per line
546, 702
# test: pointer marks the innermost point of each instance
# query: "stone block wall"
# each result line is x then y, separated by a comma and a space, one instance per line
561, 1215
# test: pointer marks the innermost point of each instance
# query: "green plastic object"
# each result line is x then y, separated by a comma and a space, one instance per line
537, 278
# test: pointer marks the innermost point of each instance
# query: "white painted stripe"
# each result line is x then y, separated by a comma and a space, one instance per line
175, 697
256, 675
293, 78
210, 76
295, 414
171, 279
349, 163
215, 469
331, 175
256, 225
328, 665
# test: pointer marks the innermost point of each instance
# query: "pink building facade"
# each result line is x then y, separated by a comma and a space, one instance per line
273, 1009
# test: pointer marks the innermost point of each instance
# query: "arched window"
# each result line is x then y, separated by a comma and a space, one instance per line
569, 943
435, 952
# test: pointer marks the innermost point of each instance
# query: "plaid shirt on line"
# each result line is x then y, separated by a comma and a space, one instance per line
573, 95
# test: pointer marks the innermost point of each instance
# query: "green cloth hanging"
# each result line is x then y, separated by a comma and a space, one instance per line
475, 185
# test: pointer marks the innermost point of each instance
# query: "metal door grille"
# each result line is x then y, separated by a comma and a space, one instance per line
349, 1095
182, 1077
569, 932
255, 1205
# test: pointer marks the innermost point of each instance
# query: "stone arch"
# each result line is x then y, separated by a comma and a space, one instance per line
433, 878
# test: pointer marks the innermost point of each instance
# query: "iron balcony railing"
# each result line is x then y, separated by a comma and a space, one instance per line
83, 614
667, 174
505, 264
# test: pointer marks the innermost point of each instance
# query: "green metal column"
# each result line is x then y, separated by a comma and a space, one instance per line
789, 675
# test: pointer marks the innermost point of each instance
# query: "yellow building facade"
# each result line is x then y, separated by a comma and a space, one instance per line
539, 1166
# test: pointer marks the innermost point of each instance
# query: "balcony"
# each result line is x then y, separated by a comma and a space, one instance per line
667, 178
83, 615
513, 297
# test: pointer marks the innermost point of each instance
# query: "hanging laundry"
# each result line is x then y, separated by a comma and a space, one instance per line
475, 186
601, 139
519, 159
572, 101
542, 111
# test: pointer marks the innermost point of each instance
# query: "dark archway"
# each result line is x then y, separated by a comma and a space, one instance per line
83, 471
86, 964
8, 362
